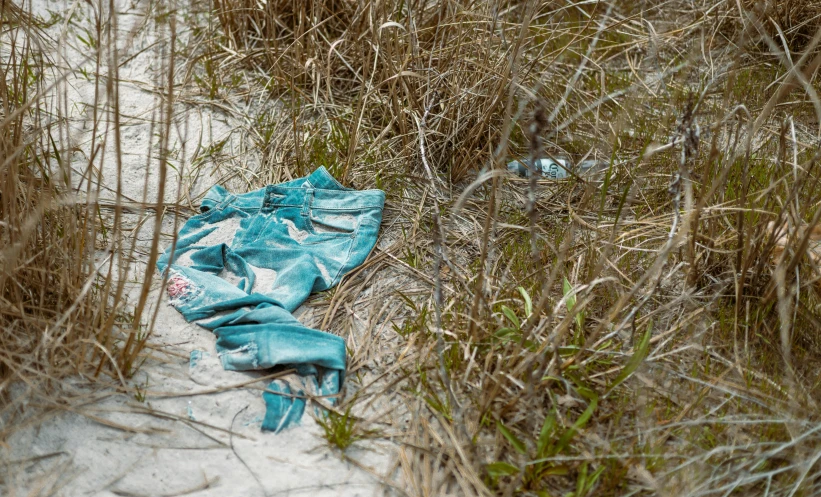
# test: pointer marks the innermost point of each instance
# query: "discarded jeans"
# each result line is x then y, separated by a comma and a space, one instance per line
247, 261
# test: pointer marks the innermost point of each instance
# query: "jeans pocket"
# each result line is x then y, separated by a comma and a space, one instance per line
329, 223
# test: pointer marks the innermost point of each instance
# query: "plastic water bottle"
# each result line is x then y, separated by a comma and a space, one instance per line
551, 169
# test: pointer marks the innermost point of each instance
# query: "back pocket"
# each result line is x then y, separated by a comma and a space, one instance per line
322, 222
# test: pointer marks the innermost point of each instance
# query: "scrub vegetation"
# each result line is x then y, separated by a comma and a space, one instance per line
63, 253
648, 329
73, 306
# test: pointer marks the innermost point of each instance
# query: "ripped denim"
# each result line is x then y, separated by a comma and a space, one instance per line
246, 262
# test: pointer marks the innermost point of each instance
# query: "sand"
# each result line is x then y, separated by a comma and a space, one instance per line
148, 442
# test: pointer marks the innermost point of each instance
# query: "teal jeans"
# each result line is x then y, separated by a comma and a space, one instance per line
246, 262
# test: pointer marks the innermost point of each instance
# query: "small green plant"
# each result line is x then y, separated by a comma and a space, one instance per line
552, 441
585, 481
570, 302
140, 391
412, 257
416, 320
513, 332
88, 40
639, 354
341, 430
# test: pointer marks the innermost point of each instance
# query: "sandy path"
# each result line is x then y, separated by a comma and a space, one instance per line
205, 444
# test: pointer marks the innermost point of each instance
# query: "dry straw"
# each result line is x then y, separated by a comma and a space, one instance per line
633, 332
649, 330
64, 255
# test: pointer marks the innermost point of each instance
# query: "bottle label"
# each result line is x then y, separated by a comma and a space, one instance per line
551, 169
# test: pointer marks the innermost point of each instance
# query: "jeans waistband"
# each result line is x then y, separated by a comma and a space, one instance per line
319, 190
276, 196
324, 180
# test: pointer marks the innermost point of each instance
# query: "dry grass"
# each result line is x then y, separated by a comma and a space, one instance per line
344, 64
647, 330
794, 20
642, 331
65, 255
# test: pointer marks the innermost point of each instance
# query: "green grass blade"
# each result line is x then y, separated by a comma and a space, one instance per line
528, 302
501, 468
578, 425
546, 434
511, 316
515, 442
635, 360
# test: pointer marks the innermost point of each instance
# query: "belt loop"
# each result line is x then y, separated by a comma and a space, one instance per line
267, 203
226, 201
309, 199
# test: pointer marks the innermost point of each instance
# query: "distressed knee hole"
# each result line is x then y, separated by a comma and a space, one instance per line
181, 290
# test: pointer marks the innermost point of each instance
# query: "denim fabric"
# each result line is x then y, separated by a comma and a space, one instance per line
247, 261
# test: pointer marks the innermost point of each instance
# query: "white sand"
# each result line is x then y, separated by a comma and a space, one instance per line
180, 444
